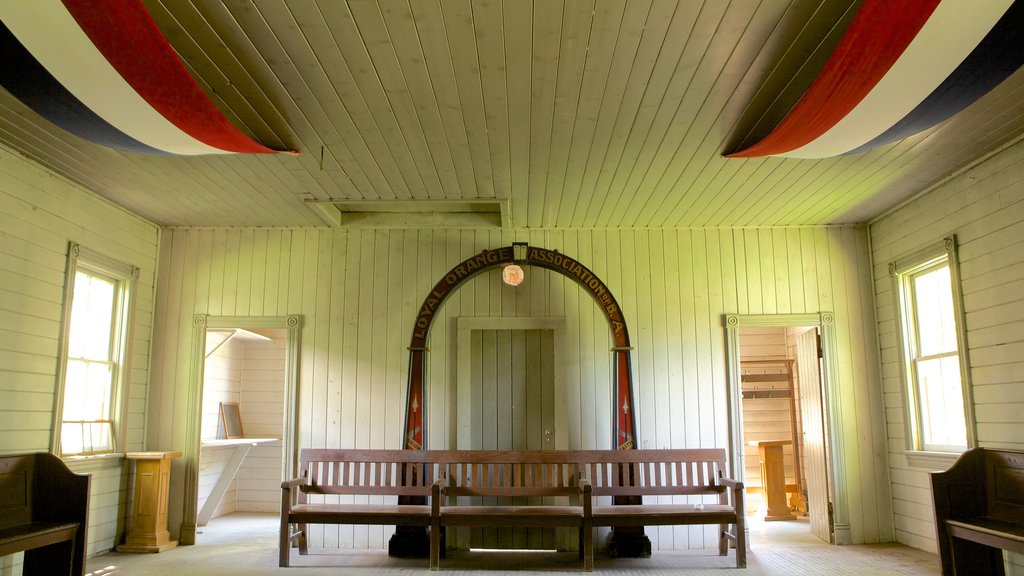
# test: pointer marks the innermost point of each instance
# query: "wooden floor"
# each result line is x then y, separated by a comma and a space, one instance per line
245, 544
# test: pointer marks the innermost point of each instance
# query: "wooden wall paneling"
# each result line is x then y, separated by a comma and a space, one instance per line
379, 355
701, 346
608, 258
384, 77
680, 56
571, 301
547, 30
586, 356
518, 38
576, 53
244, 297
420, 48
398, 356
715, 336
668, 286
258, 272
466, 52
232, 269
336, 362
601, 85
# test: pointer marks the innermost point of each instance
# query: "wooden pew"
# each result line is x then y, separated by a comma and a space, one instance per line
467, 473
44, 512
979, 511
684, 472
449, 477
388, 473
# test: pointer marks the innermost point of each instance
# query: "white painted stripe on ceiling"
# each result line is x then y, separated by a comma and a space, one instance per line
946, 39
54, 38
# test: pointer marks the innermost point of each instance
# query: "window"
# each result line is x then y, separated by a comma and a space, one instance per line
934, 359
94, 352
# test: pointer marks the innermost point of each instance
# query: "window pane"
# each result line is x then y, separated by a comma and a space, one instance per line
87, 389
933, 295
85, 437
92, 311
941, 401
71, 435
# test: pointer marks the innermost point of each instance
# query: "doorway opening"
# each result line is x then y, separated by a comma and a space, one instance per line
781, 428
245, 384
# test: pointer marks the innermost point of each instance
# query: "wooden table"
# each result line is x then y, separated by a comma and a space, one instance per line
773, 479
149, 511
240, 447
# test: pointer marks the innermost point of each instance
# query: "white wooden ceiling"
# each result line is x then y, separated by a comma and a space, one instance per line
574, 113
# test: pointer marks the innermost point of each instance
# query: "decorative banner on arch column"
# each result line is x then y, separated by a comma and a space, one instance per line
625, 419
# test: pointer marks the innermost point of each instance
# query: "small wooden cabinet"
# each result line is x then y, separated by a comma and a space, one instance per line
149, 510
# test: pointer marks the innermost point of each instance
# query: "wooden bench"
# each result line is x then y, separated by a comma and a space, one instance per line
652, 473
510, 474
44, 512
979, 511
322, 472
452, 477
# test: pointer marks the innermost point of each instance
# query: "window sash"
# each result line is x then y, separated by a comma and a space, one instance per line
86, 428
927, 431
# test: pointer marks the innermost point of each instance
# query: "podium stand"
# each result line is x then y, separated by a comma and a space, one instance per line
149, 509
773, 480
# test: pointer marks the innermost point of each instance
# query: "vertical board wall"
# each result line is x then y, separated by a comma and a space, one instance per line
984, 207
358, 292
39, 214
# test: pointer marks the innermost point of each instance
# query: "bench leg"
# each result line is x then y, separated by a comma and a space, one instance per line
741, 540
723, 540
435, 543
303, 543
588, 548
284, 542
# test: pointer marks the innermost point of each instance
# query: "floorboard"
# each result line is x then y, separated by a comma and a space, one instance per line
245, 544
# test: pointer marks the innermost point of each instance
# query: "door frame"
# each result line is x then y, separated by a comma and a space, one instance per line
464, 380
194, 414
835, 456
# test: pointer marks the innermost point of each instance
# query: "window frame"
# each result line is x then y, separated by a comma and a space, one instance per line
124, 277
902, 271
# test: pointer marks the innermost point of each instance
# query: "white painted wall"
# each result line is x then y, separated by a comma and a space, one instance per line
39, 214
358, 292
222, 382
984, 207
258, 482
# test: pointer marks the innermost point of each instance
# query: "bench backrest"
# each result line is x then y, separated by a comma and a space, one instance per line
982, 482
1004, 487
40, 487
654, 472
366, 472
512, 473
509, 473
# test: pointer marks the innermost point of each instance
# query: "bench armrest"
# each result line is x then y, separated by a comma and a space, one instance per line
437, 493
736, 487
729, 482
287, 494
587, 492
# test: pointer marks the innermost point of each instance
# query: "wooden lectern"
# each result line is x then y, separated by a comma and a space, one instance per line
773, 479
149, 510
